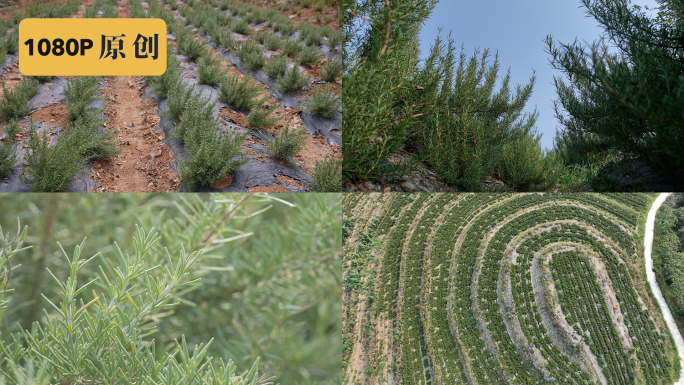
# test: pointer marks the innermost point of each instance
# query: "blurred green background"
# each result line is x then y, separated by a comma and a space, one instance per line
275, 293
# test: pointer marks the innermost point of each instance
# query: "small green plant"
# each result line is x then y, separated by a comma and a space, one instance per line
260, 116
310, 34
287, 142
292, 80
11, 43
331, 70
209, 70
269, 40
198, 115
89, 139
79, 93
189, 46
51, 169
323, 103
251, 54
334, 39
291, 48
276, 66
225, 39
179, 98
8, 154
308, 56
15, 102
283, 25
239, 93
161, 85
241, 27
327, 175
213, 155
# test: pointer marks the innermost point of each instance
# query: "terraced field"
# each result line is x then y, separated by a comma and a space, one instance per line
500, 289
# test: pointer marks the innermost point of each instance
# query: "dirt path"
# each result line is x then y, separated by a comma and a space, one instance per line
144, 162
650, 276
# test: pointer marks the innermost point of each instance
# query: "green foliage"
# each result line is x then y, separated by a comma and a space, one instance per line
269, 40
443, 109
161, 85
292, 80
8, 154
287, 142
276, 66
251, 54
197, 115
239, 93
625, 104
334, 39
524, 166
327, 175
331, 70
668, 254
302, 276
241, 27
260, 116
188, 45
79, 94
88, 138
15, 102
308, 56
283, 25
323, 103
51, 169
213, 155
225, 39
291, 48
209, 70
179, 99
310, 34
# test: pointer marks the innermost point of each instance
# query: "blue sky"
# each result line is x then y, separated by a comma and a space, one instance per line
517, 29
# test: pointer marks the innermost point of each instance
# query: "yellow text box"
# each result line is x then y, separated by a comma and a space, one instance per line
92, 47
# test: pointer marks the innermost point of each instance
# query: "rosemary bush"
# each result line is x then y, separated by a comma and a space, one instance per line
8, 153
241, 27
225, 39
283, 25
327, 176
15, 102
188, 45
260, 116
331, 70
51, 169
323, 103
161, 85
310, 34
213, 155
308, 56
251, 54
291, 48
88, 137
209, 70
79, 93
292, 80
286, 143
239, 93
268, 40
197, 116
276, 66
179, 98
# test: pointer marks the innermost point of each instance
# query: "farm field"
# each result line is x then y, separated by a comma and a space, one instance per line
249, 102
500, 289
